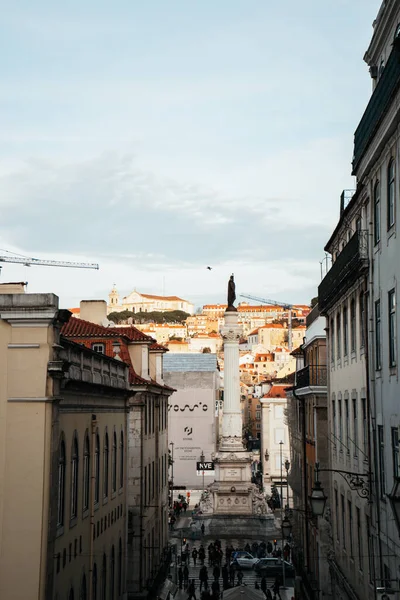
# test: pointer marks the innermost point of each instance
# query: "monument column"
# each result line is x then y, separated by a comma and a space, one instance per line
232, 415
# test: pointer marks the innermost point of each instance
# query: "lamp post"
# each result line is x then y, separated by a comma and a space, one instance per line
202, 459
287, 467
282, 519
172, 474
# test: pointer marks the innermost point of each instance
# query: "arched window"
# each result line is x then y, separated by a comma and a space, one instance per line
121, 460
390, 195
120, 567
377, 212
112, 574
83, 588
114, 464
104, 578
94, 582
86, 472
74, 476
61, 484
106, 453
97, 470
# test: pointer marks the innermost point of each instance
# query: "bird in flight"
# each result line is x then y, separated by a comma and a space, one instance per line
209, 268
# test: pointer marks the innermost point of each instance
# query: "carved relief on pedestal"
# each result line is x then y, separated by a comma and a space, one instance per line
230, 335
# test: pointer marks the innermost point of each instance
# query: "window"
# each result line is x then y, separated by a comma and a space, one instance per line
258, 414
114, 464
353, 326
74, 477
61, 484
145, 486
337, 518
390, 195
381, 68
83, 588
350, 511
343, 515
362, 320
347, 425
334, 422
112, 574
377, 212
104, 579
392, 328
98, 348
338, 335
97, 470
364, 425
395, 452
358, 224
106, 453
258, 426
355, 426
340, 424
378, 351
387, 577
345, 332
120, 567
86, 473
359, 539
381, 450
121, 460
332, 340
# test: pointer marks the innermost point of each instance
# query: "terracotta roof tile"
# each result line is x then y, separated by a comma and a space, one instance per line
78, 328
159, 347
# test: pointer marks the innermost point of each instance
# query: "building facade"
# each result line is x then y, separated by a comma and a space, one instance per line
147, 439
275, 448
138, 302
192, 414
64, 447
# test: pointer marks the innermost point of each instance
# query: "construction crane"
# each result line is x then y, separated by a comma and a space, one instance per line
284, 305
29, 262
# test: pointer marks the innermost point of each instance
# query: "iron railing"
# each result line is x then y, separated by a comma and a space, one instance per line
311, 375
350, 264
377, 107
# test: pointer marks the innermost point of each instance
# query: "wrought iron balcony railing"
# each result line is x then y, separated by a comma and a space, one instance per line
311, 375
351, 263
378, 105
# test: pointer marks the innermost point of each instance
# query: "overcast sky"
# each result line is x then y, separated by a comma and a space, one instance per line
157, 137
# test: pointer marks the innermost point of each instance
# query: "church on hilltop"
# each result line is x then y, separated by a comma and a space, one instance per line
137, 302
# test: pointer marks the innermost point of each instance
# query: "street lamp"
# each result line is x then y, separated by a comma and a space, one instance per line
172, 473
286, 528
202, 459
318, 499
287, 467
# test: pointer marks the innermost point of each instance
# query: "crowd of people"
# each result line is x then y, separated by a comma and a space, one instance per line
230, 573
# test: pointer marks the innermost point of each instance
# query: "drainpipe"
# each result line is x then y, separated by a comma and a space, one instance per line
91, 501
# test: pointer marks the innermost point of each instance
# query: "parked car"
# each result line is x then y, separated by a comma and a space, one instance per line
270, 567
244, 559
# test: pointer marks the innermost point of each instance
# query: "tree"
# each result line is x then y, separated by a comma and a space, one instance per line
207, 350
314, 301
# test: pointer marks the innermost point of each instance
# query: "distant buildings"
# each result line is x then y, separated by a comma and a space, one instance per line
138, 302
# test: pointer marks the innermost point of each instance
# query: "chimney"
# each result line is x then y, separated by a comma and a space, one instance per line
94, 311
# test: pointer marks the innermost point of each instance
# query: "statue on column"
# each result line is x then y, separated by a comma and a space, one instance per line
231, 293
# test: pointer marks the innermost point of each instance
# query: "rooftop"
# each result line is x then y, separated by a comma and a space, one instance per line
186, 362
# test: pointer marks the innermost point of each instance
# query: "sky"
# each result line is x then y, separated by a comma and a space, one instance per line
159, 137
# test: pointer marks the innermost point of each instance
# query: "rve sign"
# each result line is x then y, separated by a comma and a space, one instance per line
205, 466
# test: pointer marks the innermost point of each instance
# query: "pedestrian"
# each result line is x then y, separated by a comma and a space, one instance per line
202, 554
264, 585
191, 590
203, 576
225, 577
185, 576
240, 576
215, 589
232, 574
180, 576
256, 586
216, 573
276, 586
202, 529
269, 548
194, 555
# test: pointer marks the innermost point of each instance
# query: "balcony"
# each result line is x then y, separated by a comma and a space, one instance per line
311, 376
377, 107
351, 263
